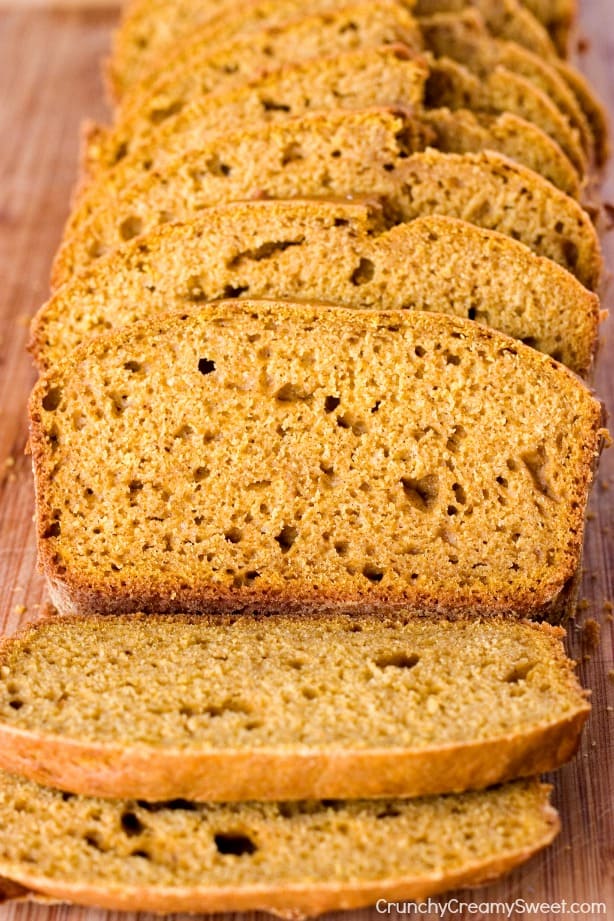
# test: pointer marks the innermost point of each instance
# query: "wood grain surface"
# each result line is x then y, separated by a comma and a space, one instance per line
50, 81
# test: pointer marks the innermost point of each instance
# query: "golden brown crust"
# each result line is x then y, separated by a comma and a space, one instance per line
96, 769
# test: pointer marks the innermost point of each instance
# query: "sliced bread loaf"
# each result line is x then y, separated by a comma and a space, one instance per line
201, 66
369, 135
507, 19
500, 90
190, 73
464, 37
285, 708
298, 457
485, 189
295, 860
150, 28
282, 248
386, 75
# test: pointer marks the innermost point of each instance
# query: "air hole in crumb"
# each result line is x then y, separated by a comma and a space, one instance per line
286, 537
456, 436
16, 704
217, 168
291, 393
397, 660
422, 492
206, 366
459, 493
292, 153
196, 290
269, 105
350, 421
130, 227
231, 292
452, 359
420, 352
133, 366
235, 844
341, 547
53, 530
309, 693
234, 536
537, 464
373, 573
520, 672
131, 824
472, 313
364, 272
144, 854
52, 399
200, 474
331, 404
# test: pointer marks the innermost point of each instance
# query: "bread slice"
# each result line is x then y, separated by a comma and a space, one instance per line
373, 135
558, 16
282, 248
500, 90
507, 19
591, 106
388, 75
295, 860
285, 708
377, 727
370, 135
464, 131
465, 38
299, 457
485, 189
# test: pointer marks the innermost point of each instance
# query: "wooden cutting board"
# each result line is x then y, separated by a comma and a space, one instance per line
50, 81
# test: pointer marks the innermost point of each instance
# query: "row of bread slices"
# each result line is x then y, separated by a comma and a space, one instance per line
280, 403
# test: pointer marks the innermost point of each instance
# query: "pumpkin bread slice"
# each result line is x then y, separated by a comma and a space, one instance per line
282, 248
373, 134
306, 858
285, 708
485, 189
297, 458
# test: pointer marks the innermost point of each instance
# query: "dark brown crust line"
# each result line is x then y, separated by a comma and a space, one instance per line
74, 593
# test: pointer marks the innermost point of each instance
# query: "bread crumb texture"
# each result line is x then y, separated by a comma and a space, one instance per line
183, 854
362, 681
289, 453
